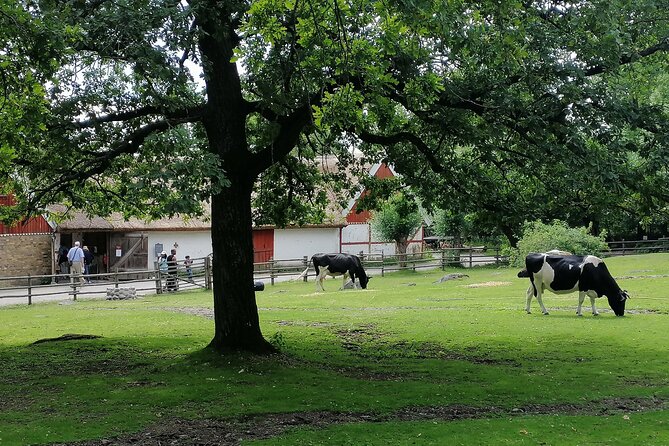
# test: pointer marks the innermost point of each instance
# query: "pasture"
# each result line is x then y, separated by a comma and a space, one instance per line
407, 361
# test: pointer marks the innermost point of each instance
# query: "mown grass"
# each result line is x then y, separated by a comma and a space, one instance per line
406, 342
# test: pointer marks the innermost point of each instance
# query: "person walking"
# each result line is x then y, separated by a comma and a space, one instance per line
75, 257
88, 261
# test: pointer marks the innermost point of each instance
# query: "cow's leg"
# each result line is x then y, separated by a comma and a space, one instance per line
319, 279
530, 293
581, 298
541, 302
592, 302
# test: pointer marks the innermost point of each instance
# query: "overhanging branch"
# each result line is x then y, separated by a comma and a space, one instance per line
418, 143
90, 167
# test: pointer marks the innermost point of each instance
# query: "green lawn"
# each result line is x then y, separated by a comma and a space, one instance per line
407, 361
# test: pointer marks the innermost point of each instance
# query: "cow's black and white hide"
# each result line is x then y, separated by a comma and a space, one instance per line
346, 265
562, 274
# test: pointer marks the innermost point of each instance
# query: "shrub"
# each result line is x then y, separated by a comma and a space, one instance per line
540, 237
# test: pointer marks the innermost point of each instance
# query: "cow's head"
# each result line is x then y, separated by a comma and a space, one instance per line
364, 280
617, 302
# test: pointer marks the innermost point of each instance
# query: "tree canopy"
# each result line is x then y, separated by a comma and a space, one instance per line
397, 220
154, 107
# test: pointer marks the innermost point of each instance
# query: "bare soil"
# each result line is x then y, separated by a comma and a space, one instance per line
232, 431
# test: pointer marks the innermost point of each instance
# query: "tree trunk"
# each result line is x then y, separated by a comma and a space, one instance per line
237, 326
401, 251
510, 235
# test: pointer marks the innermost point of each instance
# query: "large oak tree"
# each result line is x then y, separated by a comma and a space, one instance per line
153, 107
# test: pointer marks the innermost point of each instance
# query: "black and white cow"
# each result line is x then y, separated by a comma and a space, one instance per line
564, 274
334, 265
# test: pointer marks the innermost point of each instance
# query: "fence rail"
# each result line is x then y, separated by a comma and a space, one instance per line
630, 247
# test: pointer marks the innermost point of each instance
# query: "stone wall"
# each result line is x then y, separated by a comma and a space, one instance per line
23, 254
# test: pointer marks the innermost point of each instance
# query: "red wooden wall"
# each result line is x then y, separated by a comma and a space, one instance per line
364, 216
35, 225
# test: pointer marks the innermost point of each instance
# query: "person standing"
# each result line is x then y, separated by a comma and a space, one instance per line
172, 284
88, 261
189, 267
75, 257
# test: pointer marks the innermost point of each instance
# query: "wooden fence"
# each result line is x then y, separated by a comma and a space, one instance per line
29, 287
274, 270
153, 281
630, 247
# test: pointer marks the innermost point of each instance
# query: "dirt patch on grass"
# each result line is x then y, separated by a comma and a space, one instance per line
67, 337
233, 432
486, 284
195, 311
303, 324
366, 342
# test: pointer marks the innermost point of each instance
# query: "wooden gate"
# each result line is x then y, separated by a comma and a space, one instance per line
129, 252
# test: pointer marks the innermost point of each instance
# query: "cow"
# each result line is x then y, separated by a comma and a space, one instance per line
334, 265
564, 274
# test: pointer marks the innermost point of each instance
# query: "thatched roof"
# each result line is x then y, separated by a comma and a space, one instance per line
79, 221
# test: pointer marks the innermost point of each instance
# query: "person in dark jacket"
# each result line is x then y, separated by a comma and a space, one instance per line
88, 261
172, 283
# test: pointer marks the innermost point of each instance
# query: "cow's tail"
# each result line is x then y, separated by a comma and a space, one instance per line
304, 273
523, 273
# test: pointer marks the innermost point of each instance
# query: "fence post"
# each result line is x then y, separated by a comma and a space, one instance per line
30, 290
159, 283
271, 271
383, 263
306, 267
623, 246
116, 278
443, 259
497, 255
471, 252
73, 284
207, 272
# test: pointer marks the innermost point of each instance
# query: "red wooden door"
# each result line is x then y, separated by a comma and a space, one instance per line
263, 245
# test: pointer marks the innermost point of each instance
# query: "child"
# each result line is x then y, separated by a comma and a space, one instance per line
189, 269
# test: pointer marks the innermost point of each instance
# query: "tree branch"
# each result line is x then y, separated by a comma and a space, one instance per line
192, 114
663, 45
87, 168
291, 126
418, 143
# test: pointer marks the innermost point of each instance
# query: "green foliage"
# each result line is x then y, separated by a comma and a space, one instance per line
508, 111
541, 237
397, 220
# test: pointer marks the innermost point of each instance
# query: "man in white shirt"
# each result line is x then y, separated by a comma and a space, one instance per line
76, 256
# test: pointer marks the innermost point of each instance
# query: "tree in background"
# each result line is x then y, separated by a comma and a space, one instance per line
397, 220
154, 108
540, 237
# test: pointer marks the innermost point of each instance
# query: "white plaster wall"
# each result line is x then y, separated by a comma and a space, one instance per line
355, 233
196, 244
357, 237
295, 243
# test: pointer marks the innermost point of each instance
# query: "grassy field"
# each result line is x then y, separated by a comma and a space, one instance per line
407, 361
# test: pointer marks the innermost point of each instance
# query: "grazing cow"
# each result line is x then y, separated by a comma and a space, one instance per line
336, 265
563, 274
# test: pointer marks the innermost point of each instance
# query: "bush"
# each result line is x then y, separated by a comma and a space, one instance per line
540, 237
